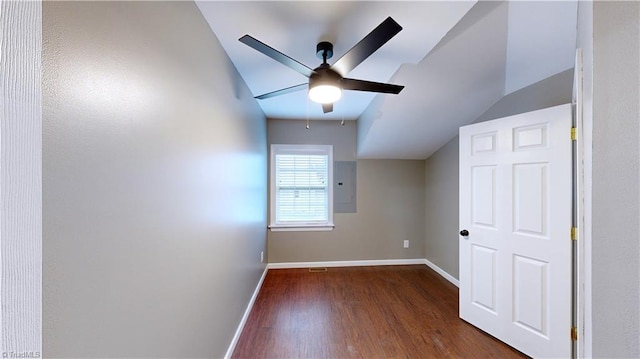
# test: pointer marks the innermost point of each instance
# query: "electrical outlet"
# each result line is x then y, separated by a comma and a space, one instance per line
262, 257
406, 243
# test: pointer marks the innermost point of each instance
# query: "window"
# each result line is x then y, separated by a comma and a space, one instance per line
301, 187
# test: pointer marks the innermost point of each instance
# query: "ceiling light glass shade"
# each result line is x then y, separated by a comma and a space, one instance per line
325, 93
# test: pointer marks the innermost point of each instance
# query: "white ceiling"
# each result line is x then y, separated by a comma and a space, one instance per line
455, 59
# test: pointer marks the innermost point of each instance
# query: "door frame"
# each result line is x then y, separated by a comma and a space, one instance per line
583, 180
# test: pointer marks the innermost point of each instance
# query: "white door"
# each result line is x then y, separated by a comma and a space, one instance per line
515, 203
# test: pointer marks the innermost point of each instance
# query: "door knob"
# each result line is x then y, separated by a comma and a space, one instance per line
464, 233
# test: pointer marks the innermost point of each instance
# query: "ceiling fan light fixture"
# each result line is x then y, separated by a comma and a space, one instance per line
325, 83
325, 93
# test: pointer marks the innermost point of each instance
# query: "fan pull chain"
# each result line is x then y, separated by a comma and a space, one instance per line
307, 112
342, 112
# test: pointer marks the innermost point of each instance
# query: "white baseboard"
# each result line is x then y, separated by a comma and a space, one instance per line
363, 263
360, 263
236, 336
441, 271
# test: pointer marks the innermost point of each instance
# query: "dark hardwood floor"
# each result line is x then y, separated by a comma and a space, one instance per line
362, 312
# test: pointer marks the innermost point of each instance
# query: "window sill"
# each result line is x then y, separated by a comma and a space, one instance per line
301, 228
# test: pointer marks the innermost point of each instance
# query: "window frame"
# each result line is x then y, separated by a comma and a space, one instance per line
276, 149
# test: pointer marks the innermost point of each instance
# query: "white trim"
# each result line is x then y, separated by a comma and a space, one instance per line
364, 263
358, 263
302, 228
585, 175
276, 149
240, 328
441, 271
581, 300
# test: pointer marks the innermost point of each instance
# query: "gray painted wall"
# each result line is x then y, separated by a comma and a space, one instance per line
616, 194
441, 176
390, 203
154, 183
441, 203
553, 91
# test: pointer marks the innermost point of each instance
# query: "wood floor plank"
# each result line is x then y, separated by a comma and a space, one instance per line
362, 312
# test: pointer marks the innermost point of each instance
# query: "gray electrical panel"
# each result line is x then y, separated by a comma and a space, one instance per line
344, 187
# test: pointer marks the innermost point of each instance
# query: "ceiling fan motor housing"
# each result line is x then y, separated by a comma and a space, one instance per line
324, 75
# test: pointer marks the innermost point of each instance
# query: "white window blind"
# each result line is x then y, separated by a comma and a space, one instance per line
301, 185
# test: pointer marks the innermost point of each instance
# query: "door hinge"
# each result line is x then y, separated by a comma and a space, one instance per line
574, 233
574, 134
574, 334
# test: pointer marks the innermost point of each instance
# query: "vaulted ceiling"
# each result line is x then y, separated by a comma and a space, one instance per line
455, 59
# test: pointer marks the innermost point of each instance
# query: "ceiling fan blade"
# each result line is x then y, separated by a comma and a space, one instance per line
370, 86
276, 55
367, 46
283, 91
327, 107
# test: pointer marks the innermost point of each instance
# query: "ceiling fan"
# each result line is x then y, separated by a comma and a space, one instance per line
325, 81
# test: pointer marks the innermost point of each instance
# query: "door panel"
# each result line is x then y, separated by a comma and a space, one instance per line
530, 137
515, 201
530, 292
485, 142
484, 278
530, 198
483, 195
